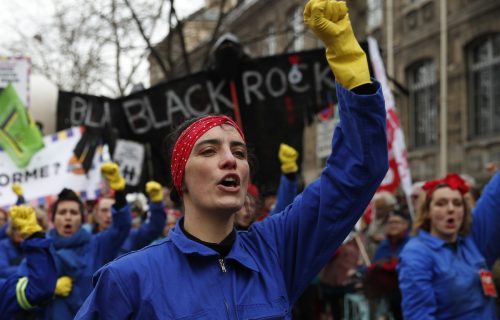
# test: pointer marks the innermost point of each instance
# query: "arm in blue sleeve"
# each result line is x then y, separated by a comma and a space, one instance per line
415, 282
6, 269
42, 270
20, 200
3, 231
108, 287
8, 300
486, 221
18, 294
307, 233
151, 229
287, 191
111, 240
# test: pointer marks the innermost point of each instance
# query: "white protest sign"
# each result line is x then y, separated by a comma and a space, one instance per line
16, 70
52, 168
324, 134
130, 156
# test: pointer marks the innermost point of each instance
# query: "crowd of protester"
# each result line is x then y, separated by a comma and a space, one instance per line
334, 249
370, 275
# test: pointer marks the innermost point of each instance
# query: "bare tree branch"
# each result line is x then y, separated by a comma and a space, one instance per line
215, 33
180, 31
117, 47
170, 60
146, 39
81, 47
136, 65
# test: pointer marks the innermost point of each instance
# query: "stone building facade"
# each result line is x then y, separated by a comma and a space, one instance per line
473, 82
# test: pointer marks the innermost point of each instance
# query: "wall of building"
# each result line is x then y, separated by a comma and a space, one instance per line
417, 37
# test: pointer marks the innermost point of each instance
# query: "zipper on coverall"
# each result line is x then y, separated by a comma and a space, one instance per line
223, 269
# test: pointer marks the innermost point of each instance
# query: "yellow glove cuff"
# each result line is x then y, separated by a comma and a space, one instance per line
28, 230
118, 184
154, 191
289, 167
351, 71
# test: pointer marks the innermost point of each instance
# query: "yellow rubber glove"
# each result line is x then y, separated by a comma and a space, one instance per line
154, 191
17, 189
64, 285
23, 218
288, 157
329, 20
111, 172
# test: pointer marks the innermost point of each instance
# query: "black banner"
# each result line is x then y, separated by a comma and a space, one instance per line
277, 96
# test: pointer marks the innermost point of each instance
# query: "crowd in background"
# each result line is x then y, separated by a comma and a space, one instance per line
429, 258
360, 280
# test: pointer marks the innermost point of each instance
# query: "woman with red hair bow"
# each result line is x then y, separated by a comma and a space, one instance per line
443, 270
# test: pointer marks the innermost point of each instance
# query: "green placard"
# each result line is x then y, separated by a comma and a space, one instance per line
20, 137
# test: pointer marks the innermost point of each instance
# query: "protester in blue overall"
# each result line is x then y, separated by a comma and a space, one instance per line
78, 253
22, 292
288, 187
152, 228
397, 227
287, 190
439, 268
4, 225
246, 216
11, 253
204, 269
381, 279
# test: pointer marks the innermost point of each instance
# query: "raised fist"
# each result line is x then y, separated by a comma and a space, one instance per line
111, 173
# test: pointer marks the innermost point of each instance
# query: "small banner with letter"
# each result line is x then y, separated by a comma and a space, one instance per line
53, 168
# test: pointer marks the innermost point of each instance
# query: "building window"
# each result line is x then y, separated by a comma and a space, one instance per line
484, 86
411, 20
428, 12
271, 40
296, 27
422, 86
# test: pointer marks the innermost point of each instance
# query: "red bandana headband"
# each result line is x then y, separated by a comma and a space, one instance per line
452, 180
185, 143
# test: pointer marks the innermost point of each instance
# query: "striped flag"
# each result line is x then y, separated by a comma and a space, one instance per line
399, 169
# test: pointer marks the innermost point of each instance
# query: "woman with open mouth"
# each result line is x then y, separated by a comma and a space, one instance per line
444, 270
204, 269
78, 254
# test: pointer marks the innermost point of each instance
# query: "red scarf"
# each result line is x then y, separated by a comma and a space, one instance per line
186, 141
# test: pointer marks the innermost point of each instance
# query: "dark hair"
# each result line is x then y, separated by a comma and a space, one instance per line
169, 143
400, 211
67, 195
